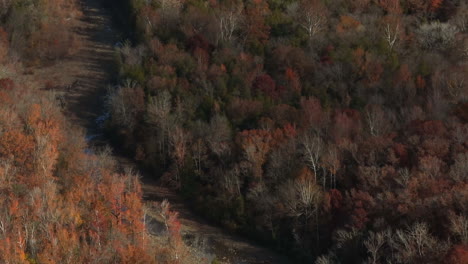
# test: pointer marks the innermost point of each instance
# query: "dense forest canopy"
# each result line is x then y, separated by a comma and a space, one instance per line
332, 130
335, 131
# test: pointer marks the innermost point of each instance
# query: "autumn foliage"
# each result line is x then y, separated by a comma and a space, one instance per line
60, 204
336, 129
38, 31
332, 130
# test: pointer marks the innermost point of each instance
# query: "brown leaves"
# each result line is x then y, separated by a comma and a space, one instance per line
264, 84
368, 67
333, 200
255, 144
458, 254
347, 24
428, 128
4, 45
360, 204
391, 6
17, 146
257, 31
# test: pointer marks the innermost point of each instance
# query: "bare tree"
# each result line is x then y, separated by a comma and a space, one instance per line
373, 244
121, 111
229, 20
459, 227
178, 139
5, 6
170, 9
302, 197
324, 259
311, 15
7, 172
461, 18
376, 120
415, 244
459, 170
456, 85
436, 35
332, 163
231, 181
219, 136
159, 116
313, 149
391, 34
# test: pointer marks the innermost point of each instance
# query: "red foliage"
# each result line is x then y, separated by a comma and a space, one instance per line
428, 128
347, 24
267, 86
284, 114
199, 42
401, 152
289, 131
292, 57
17, 145
435, 146
258, 32
374, 150
7, 84
458, 254
326, 58
335, 199
4, 98
431, 7
359, 204
293, 80
403, 75
347, 123
430, 165
435, 5
312, 113
422, 186
3, 36
3, 44
374, 72
280, 135
420, 82
255, 144
241, 109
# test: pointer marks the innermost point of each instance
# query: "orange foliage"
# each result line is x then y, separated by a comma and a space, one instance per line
17, 146
420, 82
81, 204
293, 80
347, 23
434, 5
458, 254
255, 144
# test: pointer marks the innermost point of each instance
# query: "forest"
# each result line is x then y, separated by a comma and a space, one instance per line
332, 131
59, 201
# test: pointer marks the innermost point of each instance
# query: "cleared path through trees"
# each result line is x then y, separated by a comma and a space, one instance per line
82, 79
